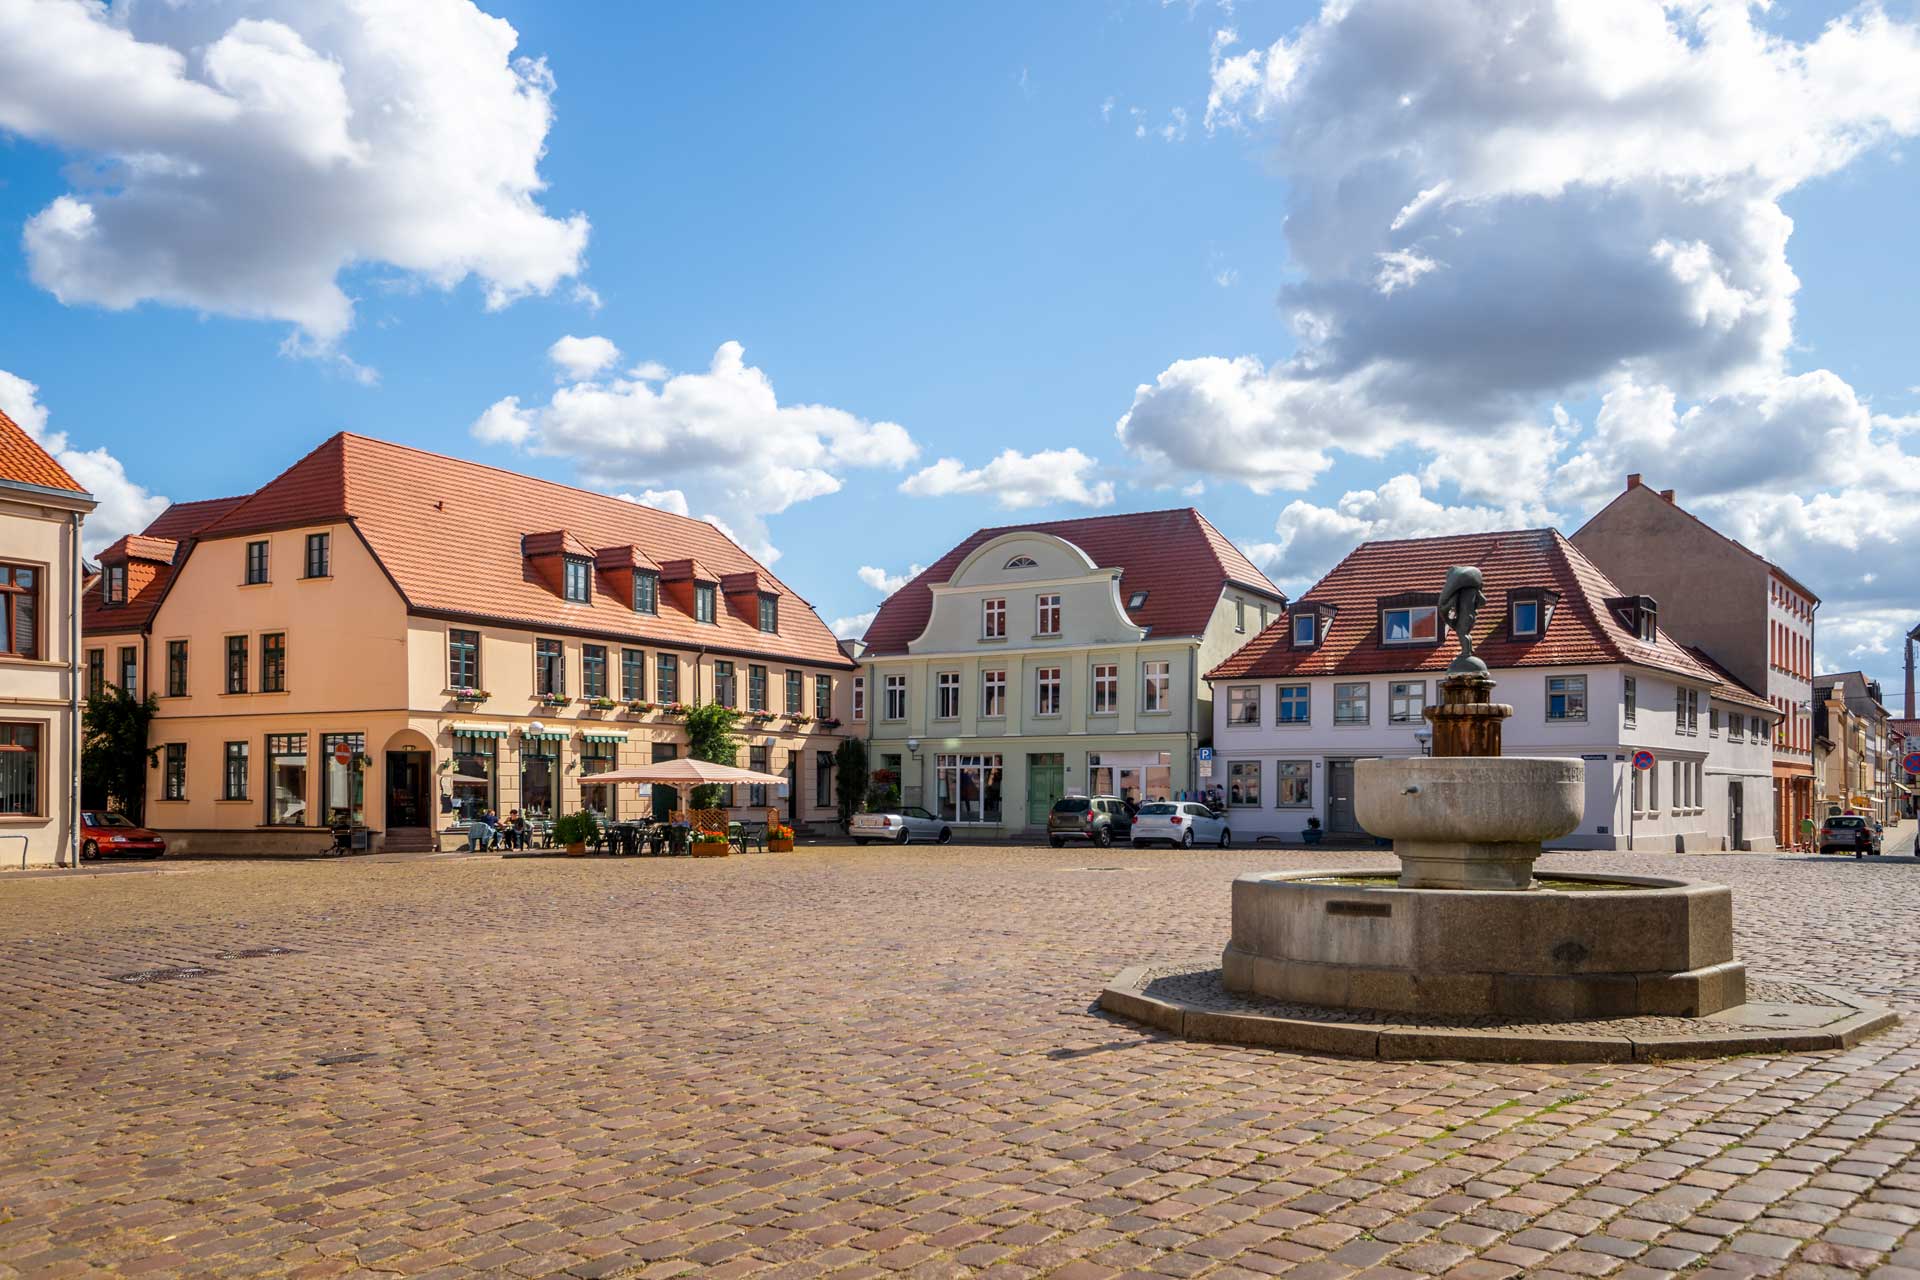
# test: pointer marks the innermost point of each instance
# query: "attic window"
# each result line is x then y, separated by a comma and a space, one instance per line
769, 612
1530, 612
113, 586
1410, 624
1306, 630
703, 602
578, 581
1638, 614
1023, 562
646, 592
1137, 599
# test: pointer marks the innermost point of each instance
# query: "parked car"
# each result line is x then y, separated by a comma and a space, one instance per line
1179, 822
901, 825
1098, 819
1850, 833
103, 832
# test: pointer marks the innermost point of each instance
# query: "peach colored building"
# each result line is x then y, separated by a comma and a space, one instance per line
388, 638
41, 510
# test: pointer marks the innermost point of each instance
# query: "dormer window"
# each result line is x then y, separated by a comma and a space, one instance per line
1526, 617
703, 593
113, 586
769, 612
1530, 611
1136, 600
1023, 562
578, 580
1414, 624
646, 592
1306, 629
1638, 614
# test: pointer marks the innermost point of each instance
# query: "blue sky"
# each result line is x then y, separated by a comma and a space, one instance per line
989, 225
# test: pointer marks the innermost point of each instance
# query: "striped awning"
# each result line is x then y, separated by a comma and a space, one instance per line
547, 735
603, 735
480, 730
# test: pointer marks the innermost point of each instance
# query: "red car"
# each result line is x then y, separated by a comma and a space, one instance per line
102, 832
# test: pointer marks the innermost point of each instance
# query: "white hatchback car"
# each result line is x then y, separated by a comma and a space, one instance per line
1179, 822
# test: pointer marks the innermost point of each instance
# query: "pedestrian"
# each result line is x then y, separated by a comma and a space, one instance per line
1806, 832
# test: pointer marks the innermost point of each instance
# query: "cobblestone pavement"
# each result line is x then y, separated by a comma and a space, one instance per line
865, 1062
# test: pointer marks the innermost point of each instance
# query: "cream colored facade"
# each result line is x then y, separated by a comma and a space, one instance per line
256, 770
991, 774
40, 533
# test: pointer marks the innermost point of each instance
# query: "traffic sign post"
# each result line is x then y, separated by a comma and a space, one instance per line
1643, 761
1912, 762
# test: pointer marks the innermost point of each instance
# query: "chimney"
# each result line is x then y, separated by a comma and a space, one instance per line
1633, 479
1668, 495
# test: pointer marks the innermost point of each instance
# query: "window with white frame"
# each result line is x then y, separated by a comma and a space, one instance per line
1239, 615
1526, 617
1416, 624
1106, 688
1306, 629
1243, 782
1630, 699
1566, 698
1351, 703
1243, 704
946, 696
1046, 691
1156, 686
1679, 787
1296, 704
895, 692
1046, 615
1293, 784
1713, 722
859, 697
993, 694
1406, 699
993, 619
1693, 711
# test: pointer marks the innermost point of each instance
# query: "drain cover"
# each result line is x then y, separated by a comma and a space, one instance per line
165, 975
254, 953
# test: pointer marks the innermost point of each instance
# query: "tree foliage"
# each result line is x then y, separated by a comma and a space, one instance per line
710, 738
114, 755
850, 772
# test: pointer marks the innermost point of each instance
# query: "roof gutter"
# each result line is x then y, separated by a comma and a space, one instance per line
73, 700
69, 497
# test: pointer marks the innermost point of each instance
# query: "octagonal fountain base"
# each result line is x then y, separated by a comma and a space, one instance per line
1576, 946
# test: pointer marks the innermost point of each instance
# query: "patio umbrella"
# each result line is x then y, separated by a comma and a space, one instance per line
683, 772
463, 777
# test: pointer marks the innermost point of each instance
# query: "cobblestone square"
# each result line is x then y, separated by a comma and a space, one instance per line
874, 1062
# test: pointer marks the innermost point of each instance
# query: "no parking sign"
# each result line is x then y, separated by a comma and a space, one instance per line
1643, 760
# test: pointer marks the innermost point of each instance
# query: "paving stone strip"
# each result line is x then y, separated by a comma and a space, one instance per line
875, 1063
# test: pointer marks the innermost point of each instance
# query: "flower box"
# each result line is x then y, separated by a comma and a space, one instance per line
553, 699
829, 723
468, 695
677, 711
602, 704
640, 708
707, 844
780, 840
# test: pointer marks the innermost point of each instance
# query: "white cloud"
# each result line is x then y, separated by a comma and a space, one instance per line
854, 626
583, 358
888, 583
672, 500
1018, 480
722, 432
237, 156
124, 507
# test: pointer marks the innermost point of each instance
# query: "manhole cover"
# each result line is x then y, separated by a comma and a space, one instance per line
254, 953
165, 975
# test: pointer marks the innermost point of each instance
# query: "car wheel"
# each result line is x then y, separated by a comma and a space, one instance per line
946, 834
1103, 837
906, 837
1226, 837
89, 852
1186, 841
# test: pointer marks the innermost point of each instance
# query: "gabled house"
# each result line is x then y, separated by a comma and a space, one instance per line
1059, 658
386, 638
1347, 671
42, 509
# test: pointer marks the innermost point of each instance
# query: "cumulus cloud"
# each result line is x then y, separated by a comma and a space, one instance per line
722, 432
672, 500
854, 626
888, 583
125, 507
1497, 207
1017, 480
237, 156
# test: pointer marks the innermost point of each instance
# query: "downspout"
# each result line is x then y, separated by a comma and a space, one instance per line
73, 702
1193, 716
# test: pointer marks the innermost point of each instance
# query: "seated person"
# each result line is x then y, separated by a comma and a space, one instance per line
483, 832
519, 834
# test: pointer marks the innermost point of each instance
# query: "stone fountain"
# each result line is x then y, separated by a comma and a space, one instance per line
1465, 933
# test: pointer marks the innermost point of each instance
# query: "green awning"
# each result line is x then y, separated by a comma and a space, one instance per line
480, 730
548, 735
603, 735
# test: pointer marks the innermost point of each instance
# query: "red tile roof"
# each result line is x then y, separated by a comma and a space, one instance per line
184, 519
1582, 631
139, 546
449, 533
23, 461
1177, 557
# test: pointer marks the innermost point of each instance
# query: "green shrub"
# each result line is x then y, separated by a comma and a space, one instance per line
575, 828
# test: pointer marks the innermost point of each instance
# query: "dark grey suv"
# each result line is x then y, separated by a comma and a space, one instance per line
1099, 819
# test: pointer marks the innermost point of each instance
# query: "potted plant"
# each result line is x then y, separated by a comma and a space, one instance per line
709, 844
677, 710
801, 722
469, 695
639, 708
553, 699
829, 723
1313, 832
779, 839
602, 704
574, 830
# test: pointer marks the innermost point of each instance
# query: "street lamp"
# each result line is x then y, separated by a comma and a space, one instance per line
1425, 738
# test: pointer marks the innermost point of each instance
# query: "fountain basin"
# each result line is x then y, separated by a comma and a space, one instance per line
1625, 945
1469, 822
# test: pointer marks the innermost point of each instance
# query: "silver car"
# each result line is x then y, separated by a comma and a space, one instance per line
900, 825
1181, 823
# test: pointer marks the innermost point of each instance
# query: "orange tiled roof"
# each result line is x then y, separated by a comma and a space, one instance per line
184, 519
449, 532
1583, 630
23, 461
1177, 557
158, 544
140, 546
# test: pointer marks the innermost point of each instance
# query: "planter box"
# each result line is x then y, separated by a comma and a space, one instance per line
779, 846
710, 848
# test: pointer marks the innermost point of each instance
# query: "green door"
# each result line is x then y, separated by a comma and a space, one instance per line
1046, 783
